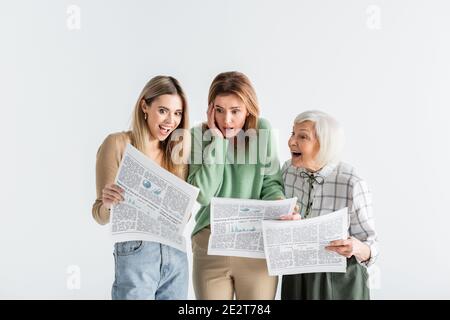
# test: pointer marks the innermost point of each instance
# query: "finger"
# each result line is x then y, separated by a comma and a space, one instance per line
210, 110
293, 216
343, 251
113, 194
107, 198
339, 251
328, 248
336, 243
211, 122
339, 243
107, 202
117, 188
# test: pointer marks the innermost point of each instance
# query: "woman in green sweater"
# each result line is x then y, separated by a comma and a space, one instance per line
233, 156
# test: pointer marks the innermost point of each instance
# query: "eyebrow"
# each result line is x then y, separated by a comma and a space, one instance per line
181, 110
232, 108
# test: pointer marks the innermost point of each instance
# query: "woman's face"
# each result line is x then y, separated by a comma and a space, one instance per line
163, 115
304, 146
230, 114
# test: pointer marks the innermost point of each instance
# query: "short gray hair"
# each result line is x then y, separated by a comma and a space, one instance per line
329, 134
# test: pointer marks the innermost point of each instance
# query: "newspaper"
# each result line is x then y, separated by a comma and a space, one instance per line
297, 246
236, 225
157, 204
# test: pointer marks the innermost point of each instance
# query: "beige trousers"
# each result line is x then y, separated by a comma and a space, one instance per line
222, 278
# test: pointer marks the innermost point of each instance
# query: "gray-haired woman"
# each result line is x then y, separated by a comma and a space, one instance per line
323, 185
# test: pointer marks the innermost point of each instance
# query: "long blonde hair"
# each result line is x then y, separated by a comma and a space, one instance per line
237, 83
140, 132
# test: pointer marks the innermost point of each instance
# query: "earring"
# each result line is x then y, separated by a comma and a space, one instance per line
145, 115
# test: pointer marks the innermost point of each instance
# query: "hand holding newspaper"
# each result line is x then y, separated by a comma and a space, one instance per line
157, 203
236, 225
298, 246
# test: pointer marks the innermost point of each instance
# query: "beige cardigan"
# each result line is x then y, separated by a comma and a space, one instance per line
109, 156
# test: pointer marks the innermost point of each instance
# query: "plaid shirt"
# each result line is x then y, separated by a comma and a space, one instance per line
334, 187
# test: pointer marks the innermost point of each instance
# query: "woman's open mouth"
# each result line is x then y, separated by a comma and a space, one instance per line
164, 130
228, 130
296, 154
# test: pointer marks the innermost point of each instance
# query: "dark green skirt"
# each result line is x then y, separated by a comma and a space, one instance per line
352, 285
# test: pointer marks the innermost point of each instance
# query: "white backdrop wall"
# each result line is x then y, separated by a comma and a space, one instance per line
72, 70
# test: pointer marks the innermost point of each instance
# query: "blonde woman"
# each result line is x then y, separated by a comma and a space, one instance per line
144, 269
233, 156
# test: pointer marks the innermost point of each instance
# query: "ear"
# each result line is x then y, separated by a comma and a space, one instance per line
143, 105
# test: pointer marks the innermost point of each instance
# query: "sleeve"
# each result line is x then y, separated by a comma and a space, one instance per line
207, 164
362, 225
108, 160
272, 188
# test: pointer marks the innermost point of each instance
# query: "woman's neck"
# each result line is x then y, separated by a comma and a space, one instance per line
153, 149
313, 169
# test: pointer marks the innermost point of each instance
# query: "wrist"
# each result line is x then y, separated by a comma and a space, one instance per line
104, 208
362, 252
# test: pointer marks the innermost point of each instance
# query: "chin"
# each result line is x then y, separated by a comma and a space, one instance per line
228, 135
296, 163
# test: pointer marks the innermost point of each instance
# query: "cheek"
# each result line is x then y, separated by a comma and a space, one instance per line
241, 120
219, 118
154, 115
315, 149
307, 150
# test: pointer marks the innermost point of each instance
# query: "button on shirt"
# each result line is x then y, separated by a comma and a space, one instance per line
334, 187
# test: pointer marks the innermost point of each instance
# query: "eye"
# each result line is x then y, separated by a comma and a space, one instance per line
235, 111
219, 110
304, 137
292, 133
162, 111
179, 113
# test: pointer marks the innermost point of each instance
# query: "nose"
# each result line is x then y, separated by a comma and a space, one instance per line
170, 118
228, 118
292, 142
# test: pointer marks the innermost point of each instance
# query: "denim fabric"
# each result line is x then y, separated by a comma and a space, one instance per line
149, 270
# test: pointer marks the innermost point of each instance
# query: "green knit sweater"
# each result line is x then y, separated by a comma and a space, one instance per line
216, 174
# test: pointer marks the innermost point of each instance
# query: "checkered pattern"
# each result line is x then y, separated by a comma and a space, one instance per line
341, 188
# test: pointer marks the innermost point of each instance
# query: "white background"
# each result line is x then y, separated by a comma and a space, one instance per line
380, 67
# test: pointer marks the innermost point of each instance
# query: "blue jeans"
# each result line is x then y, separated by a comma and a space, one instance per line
149, 270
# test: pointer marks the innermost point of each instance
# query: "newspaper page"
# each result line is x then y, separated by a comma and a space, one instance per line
157, 203
298, 246
236, 225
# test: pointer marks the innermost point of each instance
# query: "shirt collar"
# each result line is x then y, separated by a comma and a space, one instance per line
324, 172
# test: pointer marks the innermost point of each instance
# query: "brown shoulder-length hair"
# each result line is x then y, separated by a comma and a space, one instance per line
178, 140
237, 83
